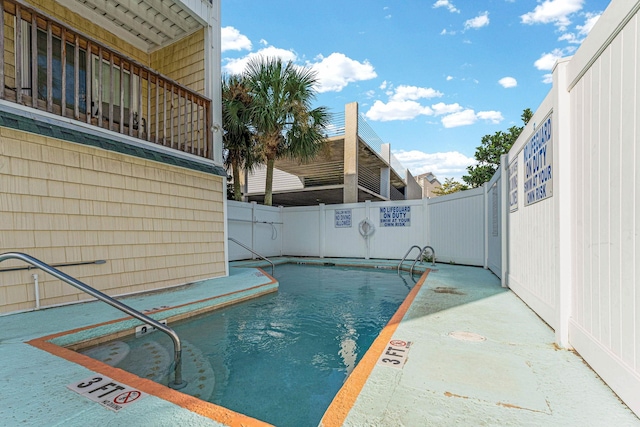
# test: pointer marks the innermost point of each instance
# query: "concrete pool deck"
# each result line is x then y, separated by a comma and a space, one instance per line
478, 356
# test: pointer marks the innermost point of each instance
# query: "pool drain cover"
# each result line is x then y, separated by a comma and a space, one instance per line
466, 336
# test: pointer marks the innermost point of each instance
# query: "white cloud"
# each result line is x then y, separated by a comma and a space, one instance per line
238, 65
446, 3
402, 104
337, 70
451, 164
494, 117
589, 22
333, 72
507, 82
414, 93
231, 39
461, 118
468, 117
441, 108
548, 60
449, 78
396, 110
553, 11
479, 21
582, 30
383, 85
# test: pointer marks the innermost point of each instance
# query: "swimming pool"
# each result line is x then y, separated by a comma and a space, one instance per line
280, 358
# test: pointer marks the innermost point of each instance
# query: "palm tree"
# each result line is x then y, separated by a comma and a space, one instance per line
238, 139
281, 114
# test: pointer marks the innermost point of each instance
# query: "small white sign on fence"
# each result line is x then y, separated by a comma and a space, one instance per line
395, 216
513, 186
343, 218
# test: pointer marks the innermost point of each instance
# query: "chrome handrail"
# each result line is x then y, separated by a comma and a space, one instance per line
406, 255
177, 346
419, 257
255, 253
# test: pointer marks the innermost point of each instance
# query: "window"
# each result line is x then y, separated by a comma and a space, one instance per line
56, 72
130, 102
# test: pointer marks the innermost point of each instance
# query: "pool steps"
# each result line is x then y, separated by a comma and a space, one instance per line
153, 362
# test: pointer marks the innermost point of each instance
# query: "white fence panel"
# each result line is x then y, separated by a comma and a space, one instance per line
267, 230
394, 235
605, 110
342, 240
457, 227
301, 236
533, 228
256, 226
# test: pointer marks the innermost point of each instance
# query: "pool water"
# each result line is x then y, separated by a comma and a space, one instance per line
280, 358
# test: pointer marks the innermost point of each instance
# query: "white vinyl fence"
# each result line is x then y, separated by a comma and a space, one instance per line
453, 225
572, 234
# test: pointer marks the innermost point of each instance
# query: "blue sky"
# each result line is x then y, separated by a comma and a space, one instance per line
431, 77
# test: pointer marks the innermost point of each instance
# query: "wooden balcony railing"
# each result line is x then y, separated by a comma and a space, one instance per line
51, 67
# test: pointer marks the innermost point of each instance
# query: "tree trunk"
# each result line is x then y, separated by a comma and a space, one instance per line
268, 185
237, 189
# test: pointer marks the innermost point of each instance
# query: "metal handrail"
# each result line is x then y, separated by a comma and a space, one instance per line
273, 266
62, 264
419, 257
178, 381
406, 255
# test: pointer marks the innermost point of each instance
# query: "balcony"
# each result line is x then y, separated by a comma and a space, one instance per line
49, 66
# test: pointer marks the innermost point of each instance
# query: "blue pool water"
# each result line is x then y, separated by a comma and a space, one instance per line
282, 357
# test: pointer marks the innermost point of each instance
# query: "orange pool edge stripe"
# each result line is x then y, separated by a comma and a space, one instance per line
347, 395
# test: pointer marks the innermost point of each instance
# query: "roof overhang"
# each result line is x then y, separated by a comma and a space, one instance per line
146, 24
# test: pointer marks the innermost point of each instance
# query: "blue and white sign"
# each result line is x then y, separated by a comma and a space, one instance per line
513, 186
343, 218
538, 164
395, 216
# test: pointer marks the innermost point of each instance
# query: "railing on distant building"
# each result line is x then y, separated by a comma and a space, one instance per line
397, 166
337, 126
396, 194
368, 135
87, 81
369, 179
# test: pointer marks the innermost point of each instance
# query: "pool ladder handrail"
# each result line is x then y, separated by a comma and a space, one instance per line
255, 253
406, 255
178, 383
419, 258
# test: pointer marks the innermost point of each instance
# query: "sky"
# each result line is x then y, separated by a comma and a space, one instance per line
431, 77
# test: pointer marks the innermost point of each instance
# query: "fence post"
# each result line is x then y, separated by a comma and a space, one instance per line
485, 193
504, 223
254, 205
561, 132
282, 227
322, 226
